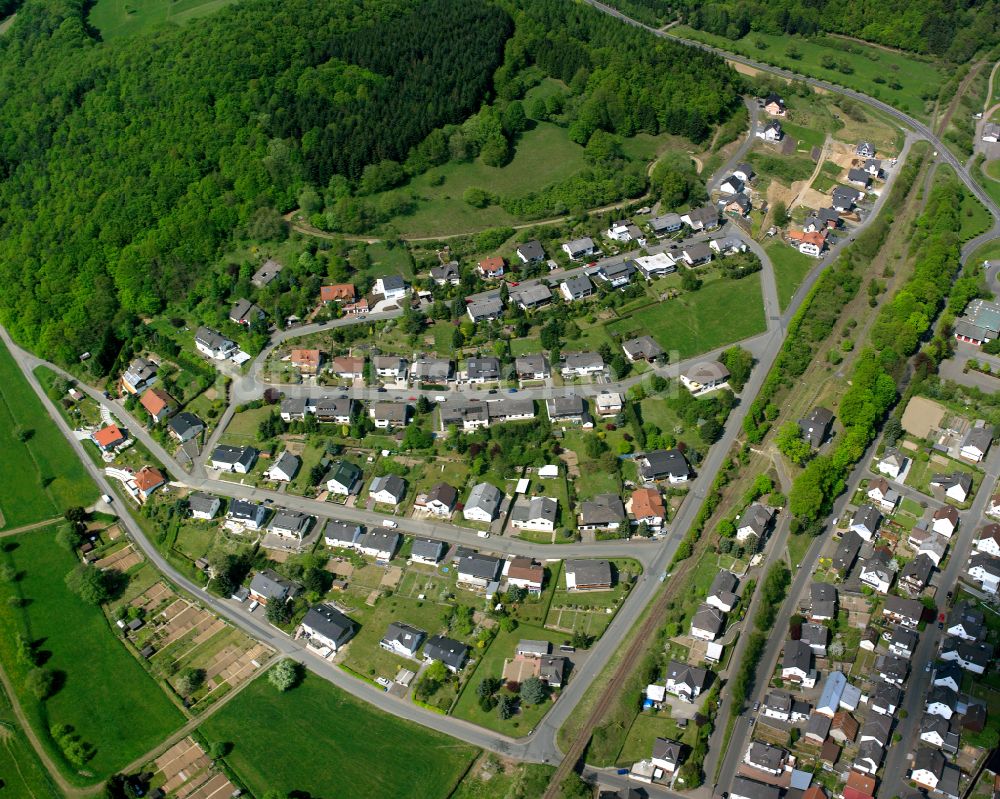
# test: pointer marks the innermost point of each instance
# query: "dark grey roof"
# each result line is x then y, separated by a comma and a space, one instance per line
233, 455
483, 368
667, 750
392, 483
798, 655
979, 437
486, 497
818, 725
288, 464
204, 503
829, 215
847, 551
590, 572
380, 540
483, 567
531, 364
341, 532
428, 548
642, 347
929, 760
578, 285
526, 509
328, 622
665, 222
443, 493
663, 462
816, 426
559, 407
918, 571
333, 407
735, 182
868, 517
971, 618
602, 509
285, 519
684, 674
580, 360
858, 176
905, 608
768, 757
293, 406
244, 509
531, 250
698, 251
271, 585
744, 788
708, 618
779, 700
823, 597
724, 585
407, 636
449, 651
395, 412
185, 424
393, 282
947, 481
757, 518
448, 271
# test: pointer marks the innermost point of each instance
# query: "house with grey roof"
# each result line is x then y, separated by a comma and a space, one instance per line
534, 513
428, 551
325, 629
707, 623
446, 274
184, 426
470, 415
816, 426
290, 523
754, 521
822, 602
389, 414
402, 639
765, 757
703, 218
865, 521
388, 489
530, 252
956, 485
722, 592
284, 468
234, 459
432, 370
581, 364
344, 479
977, 442
532, 367
140, 375
530, 294
580, 248
663, 464
567, 409
391, 366
268, 271
333, 409
269, 586
746, 788
665, 224
293, 408
245, 515
482, 370
618, 274
483, 504
340, 534
448, 651
602, 512
203, 506
441, 500
576, 287
478, 570
213, 344
245, 312
588, 575
684, 681
643, 348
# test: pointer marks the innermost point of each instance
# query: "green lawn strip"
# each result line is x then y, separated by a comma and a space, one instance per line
656, 410
41, 475
505, 781
806, 137
720, 312
790, 269
646, 728
106, 696
118, 18
588, 610
915, 76
491, 665
921, 472
317, 739
594, 479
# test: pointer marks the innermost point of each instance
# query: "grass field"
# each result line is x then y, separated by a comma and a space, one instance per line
646, 728
115, 18
325, 743
915, 76
491, 779
105, 695
720, 312
992, 169
975, 218
41, 475
790, 269
22, 773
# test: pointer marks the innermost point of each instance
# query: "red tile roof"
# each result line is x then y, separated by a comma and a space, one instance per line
337, 292
492, 265
109, 436
156, 400
148, 478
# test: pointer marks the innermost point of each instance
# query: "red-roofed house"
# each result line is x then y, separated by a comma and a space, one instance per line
491, 268
107, 438
348, 367
359, 307
158, 403
859, 786
646, 505
147, 480
338, 292
306, 361
808, 243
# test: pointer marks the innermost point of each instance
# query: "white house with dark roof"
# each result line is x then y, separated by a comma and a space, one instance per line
581, 364
707, 623
663, 464
684, 681
388, 489
325, 629
754, 521
203, 506
705, 376
483, 504
448, 651
290, 524
977, 442
234, 459
534, 513
580, 248
722, 592
477, 570
402, 639
576, 287
428, 551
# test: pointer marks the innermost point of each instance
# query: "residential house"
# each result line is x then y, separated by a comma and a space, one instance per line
477, 570
391, 366
446, 274
267, 273
738, 204
448, 651
945, 521
892, 464
731, 245
234, 459
620, 231
818, 727
707, 623
884, 495
696, 254
892, 668
432, 370
774, 105
643, 348
389, 414
991, 132
391, 287
531, 252
213, 344
989, 540
109, 437
770, 131
859, 177
588, 575
306, 361
609, 403
865, 149
203, 506
359, 308
665, 224
185, 426
530, 294
511, 410
581, 364
284, 468
140, 375
885, 699
388, 489
916, 575
290, 524
326, 629
754, 521
269, 586
603, 512
666, 755
348, 367
341, 535
817, 636
441, 500
865, 522
617, 275
966, 621
293, 408
245, 515
656, 265
491, 268
744, 788
482, 370
684, 681
843, 727
722, 592
532, 367
704, 218
974, 656
338, 292
939, 732
147, 480
732, 185
526, 573
993, 508
576, 287
705, 376
956, 485
333, 409
877, 572
245, 313
344, 478
808, 243
483, 504
765, 757
428, 551
831, 216
844, 198
833, 689
580, 248
977, 442
985, 570
379, 543
663, 464
402, 639
877, 729
744, 172
847, 552
567, 409
941, 701
869, 758
928, 767
816, 426
902, 611
534, 513
471, 415
903, 642
796, 667
822, 602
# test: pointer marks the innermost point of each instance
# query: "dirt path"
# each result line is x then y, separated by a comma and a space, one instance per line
70, 791
25, 528
962, 88
815, 174
989, 91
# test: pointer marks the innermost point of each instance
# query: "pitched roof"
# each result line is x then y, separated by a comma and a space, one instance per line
156, 400
109, 435
647, 502
447, 650
148, 478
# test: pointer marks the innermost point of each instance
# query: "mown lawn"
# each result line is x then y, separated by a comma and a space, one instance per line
41, 476
790, 269
104, 693
720, 312
915, 76
115, 18
646, 728
316, 739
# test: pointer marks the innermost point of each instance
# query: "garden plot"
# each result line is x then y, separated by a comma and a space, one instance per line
188, 773
122, 559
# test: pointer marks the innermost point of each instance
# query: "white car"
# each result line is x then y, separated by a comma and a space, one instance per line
390, 524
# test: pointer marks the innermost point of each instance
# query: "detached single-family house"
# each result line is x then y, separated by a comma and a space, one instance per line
267, 272
535, 513
684, 681
744, 172
588, 575
865, 149
928, 767
491, 268
646, 507
576, 287
945, 521
885, 699
877, 572
344, 478
892, 464
755, 521
765, 757
859, 177
774, 105
902, 611
158, 403
939, 732
844, 198
340, 534
428, 551
391, 366
745, 788
865, 521
477, 570
333, 409
567, 409
822, 602
974, 656
379, 543
665, 224
833, 688
604, 512
816, 426
482, 370
448, 651
722, 592
388, 489
643, 348
402, 639
956, 485
656, 265
916, 575
941, 701
903, 642
666, 755
326, 629
204, 507
771, 131
109, 437
245, 313
817, 636
847, 552
290, 524
147, 480
245, 515
441, 500
663, 464
966, 622
337, 292
234, 459
581, 364
617, 275
213, 344
977, 442
391, 287
705, 376
989, 540
348, 367
526, 573
185, 426
389, 414
306, 361
609, 403
531, 252
284, 468
880, 492
140, 375
696, 254
532, 367
580, 248
796, 667
483, 504
810, 243
704, 218
732, 185
269, 586
707, 623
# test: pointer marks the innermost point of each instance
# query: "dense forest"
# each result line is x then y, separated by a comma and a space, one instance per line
128, 168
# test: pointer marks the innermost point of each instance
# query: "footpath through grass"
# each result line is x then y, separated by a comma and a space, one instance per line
790, 269
101, 690
41, 476
316, 739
